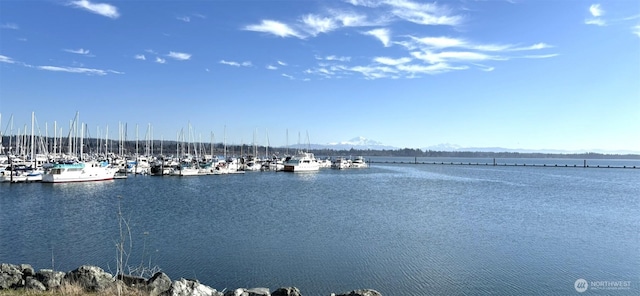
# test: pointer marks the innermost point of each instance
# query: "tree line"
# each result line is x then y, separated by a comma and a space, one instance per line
167, 147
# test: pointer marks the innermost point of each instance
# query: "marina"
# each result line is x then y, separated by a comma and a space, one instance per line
399, 228
35, 156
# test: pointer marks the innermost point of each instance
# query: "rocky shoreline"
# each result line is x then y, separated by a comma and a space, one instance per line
95, 279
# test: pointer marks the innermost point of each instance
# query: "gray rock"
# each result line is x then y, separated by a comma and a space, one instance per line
49, 278
286, 291
248, 292
159, 284
10, 276
91, 278
365, 292
133, 281
258, 292
27, 270
236, 292
192, 288
32, 283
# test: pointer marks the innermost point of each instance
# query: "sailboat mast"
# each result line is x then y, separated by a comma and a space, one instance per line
33, 157
266, 149
55, 136
81, 141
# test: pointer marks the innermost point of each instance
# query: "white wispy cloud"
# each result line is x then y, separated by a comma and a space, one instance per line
442, 49
636, 30
185, 19
382, 34
281, 63
337, 58
541, 56
312, 24
180, 56
440, 42
288, 76
236, 64
103, 9
80, 70
596, 10
275, 28
6, 59
536, 46
351, 19
430, 69
391, 61
484, 68
595, 21
160, 60
10, 26
506, 47
80, 51
415, 12
140, 57
425, 55
630, 18
315, 24
375, 72
444, 56
430, 56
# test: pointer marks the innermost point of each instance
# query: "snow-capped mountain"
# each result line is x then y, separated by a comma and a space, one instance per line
359, 143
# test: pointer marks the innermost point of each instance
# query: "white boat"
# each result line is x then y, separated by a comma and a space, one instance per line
35, 175
13, 175
251, 164
276, 164
358, 162
302, 162
141, 166
340, 163
185, 169
232, 165
324, 163
79, 172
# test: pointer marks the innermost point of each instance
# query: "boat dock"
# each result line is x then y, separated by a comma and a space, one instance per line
509, 162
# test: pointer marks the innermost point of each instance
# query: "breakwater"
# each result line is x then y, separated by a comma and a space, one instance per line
510, 162
95, 279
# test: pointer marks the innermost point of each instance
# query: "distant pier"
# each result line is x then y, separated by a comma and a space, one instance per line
510, 162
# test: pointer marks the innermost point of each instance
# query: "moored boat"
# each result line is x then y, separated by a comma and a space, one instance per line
358, 162
340, 163
79, 172
302, 162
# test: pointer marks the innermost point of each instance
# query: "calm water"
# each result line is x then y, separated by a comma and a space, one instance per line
397, 228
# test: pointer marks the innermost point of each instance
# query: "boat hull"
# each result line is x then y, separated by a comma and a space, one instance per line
300, 168
67, 173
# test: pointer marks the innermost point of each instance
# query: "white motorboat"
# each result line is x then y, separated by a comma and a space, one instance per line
79, 172
302, 162
358, 162
340, 163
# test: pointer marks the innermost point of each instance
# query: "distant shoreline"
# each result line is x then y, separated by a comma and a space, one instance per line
157, 147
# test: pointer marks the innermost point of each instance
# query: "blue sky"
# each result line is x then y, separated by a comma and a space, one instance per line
515, 74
